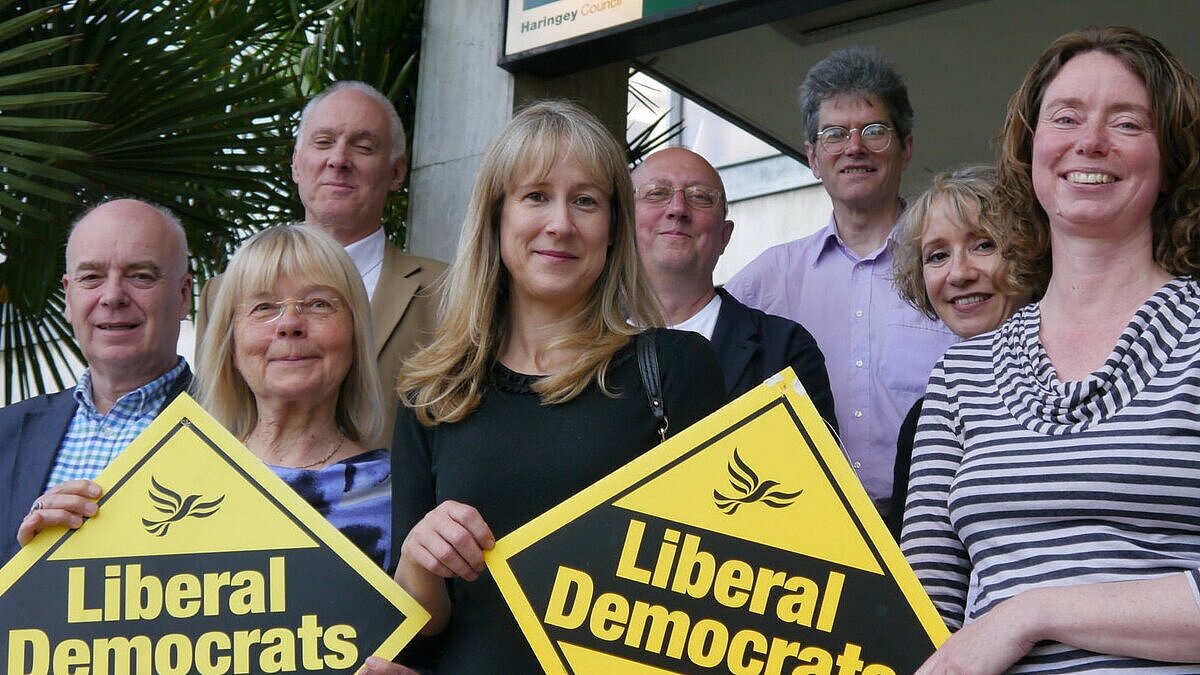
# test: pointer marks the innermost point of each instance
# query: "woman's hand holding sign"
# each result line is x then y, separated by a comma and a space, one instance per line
448, 542
67, 504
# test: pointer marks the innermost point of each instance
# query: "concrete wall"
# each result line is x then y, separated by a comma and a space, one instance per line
463, 100
762, 222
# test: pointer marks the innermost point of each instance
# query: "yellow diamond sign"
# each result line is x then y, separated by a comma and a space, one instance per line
745, 544
200, 560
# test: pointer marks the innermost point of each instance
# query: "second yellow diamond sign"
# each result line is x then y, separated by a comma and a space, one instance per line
744, 545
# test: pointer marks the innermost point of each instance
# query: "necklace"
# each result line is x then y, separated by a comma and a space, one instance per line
341, 439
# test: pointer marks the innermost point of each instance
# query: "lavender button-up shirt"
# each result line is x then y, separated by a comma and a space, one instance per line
878, 350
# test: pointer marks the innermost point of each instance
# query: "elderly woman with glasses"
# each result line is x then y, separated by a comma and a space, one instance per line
286, 364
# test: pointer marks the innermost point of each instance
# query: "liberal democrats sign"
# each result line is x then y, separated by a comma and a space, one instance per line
745, 544
200, 561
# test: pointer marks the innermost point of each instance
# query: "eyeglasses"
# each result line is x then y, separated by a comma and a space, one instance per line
264, 312
876, 137
696, 196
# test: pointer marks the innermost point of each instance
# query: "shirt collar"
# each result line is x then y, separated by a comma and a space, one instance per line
149, 397
831, 239
367, 253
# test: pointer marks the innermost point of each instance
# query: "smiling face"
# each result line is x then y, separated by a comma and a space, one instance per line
1096, 169
857, 178
342, 165
297, 357
962, 267
555, 231
127, 289
674, 237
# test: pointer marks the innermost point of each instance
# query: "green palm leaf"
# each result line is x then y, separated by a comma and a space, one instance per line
188, 103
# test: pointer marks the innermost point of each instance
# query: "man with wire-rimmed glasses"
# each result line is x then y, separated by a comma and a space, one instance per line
837, 282
682, 230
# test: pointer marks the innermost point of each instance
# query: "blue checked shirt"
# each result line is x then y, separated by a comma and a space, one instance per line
93, 440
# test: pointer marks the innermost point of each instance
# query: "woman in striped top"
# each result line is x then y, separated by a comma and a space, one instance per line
1054, 507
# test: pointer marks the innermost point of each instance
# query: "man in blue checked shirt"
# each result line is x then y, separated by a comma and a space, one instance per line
127, 288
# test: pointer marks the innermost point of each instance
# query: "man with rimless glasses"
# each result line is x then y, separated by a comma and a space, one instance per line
682, 230
879, 351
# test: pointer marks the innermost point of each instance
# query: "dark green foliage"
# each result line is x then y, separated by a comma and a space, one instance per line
187, 103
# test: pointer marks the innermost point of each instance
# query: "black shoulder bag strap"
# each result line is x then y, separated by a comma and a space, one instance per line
647, 357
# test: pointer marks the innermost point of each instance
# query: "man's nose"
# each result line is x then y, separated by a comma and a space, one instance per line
113, 292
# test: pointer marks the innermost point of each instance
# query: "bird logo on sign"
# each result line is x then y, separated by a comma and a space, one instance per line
747, 489
176, 507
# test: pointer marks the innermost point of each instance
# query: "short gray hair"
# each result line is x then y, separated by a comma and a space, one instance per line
855, 70
395, 126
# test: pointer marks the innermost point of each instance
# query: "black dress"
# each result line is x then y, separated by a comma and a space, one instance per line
514, 458
904, 447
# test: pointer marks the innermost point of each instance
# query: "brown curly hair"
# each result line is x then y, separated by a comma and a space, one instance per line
1175, 109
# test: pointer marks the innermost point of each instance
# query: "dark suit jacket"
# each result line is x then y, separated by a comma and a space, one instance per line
753, 345
404, 312
32, 431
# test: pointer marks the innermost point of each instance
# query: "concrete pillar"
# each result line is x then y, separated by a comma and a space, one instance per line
463, 100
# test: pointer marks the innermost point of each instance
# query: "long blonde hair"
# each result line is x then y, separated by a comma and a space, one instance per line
444, 381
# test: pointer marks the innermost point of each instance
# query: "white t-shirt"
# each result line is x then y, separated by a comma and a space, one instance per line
703, 322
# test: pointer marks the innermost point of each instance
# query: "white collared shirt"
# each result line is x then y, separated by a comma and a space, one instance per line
367, 254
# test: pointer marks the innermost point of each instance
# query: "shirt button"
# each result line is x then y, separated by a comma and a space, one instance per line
858, 413
858, 465
858, 313
858, 363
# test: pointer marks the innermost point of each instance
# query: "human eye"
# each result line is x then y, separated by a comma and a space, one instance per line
262, 309
700, 197
142, 277
319, 305
656, 193
874, 131
322, 142
985, 245
365, 148
587, 201
834, 134
88, 279
1131, 125
535, 196
1063, 119
935, 257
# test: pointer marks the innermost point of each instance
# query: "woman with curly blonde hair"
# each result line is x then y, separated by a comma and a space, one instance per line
529, 391
947, 263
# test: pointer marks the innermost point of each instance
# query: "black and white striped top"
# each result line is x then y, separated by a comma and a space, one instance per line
1021, 481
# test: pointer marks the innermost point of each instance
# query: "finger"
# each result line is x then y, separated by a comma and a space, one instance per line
36, 521
375, 664
30, 526
80, 487
68, 503
473, 523
432, 550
